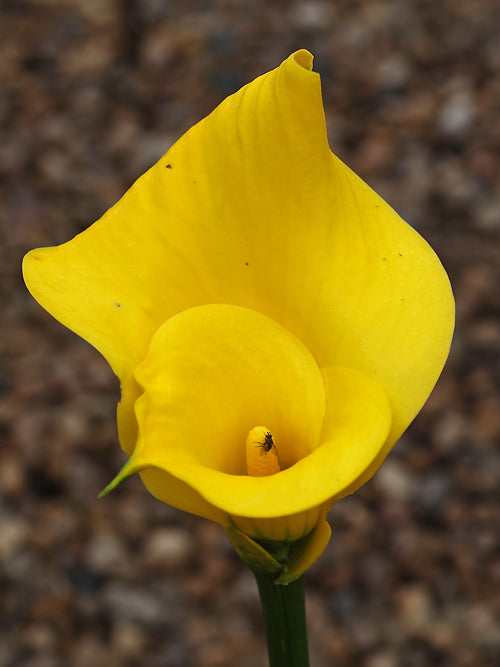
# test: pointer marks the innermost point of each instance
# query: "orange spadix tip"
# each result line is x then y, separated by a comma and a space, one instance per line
261, 453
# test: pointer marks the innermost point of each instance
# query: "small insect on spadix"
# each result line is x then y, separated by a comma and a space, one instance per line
267, 445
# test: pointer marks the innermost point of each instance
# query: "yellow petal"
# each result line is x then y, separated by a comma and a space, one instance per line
251, 208
281, 527
188, 499
213, 372
181, 236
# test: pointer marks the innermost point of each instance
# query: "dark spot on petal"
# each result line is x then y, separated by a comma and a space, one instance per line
246, 263
168, 166
117, 304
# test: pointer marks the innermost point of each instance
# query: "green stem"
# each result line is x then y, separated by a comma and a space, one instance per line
285, 621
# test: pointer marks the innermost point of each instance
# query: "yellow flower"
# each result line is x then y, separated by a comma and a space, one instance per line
250, 279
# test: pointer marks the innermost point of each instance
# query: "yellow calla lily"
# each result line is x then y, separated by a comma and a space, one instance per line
250, 279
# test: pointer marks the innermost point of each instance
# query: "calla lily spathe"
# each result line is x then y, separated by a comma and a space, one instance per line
249, 277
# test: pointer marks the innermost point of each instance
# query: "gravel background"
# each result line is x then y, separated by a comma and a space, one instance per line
93, 92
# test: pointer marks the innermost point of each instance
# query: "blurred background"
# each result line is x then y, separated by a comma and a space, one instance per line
92, 93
